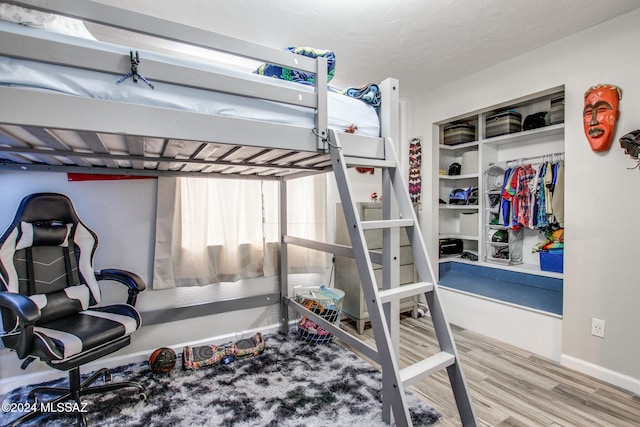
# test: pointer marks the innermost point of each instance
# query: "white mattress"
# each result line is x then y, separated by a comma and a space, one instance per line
343, 110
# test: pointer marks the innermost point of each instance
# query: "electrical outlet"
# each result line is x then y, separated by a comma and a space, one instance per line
597, 327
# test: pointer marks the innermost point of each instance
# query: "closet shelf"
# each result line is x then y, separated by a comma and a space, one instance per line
497, 244
457, 236
460, 207
460, 177
523, 136
497, 227
459, 147
456, 258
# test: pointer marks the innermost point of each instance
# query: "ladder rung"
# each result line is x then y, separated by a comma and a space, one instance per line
386, 223
372, 163
404, 291
426, 367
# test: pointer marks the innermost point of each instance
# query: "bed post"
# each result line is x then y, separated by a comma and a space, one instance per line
390, 129
284, 261
390, 110
322, 112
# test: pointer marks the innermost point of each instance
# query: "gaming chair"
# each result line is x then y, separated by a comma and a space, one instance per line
49, 296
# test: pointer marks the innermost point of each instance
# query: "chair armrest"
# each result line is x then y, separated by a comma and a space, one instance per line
21, 305
28, 313
130, 280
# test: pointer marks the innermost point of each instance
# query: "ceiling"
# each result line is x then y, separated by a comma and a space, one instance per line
423, 43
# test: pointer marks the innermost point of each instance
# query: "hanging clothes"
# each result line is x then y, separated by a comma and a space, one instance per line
533, 197
541, 202
523, 201
534, 187
548, 187
558, 195
511, 189
505, 197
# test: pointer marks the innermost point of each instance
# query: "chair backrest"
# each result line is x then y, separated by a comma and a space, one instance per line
47, 254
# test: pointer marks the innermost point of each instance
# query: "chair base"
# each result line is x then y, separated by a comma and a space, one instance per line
74, 392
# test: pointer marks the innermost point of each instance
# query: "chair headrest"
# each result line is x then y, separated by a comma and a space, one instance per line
51, 216
45, 207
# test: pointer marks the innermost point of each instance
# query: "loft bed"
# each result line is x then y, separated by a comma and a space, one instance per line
62, 111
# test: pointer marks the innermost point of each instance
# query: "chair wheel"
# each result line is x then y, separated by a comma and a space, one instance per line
142, 396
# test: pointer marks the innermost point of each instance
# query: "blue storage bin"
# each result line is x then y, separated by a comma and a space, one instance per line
552, 261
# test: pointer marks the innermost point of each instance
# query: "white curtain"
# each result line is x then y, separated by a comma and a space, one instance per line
224, 230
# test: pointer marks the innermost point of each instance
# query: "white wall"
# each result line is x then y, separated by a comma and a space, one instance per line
600, 275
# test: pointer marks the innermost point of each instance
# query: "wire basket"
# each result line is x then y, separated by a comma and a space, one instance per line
323, 301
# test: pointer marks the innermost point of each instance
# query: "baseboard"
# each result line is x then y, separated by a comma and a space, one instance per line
604, 374
50, 374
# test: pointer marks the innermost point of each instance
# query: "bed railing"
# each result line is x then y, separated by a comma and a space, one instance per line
110, 16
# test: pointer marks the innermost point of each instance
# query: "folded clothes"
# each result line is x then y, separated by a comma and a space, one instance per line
554, 241
271, 70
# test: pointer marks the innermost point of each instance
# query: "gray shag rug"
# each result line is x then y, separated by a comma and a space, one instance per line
290, 384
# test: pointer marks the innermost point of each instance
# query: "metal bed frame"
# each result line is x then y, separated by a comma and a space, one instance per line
194, 142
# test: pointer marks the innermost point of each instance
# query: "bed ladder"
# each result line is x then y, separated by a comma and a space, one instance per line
383, 304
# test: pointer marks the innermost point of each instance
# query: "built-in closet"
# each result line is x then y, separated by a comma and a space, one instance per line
507, 297
475, 150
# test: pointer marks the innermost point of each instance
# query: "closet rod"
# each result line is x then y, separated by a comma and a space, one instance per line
524, 159
542, 156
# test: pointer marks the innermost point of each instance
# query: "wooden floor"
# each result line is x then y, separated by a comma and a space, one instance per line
512, 387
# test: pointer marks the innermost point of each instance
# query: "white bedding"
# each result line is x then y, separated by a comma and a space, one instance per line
343, 110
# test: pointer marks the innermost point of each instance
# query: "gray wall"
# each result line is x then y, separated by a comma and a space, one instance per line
601, 193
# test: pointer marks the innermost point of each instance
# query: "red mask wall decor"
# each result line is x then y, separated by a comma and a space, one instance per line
600, 115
